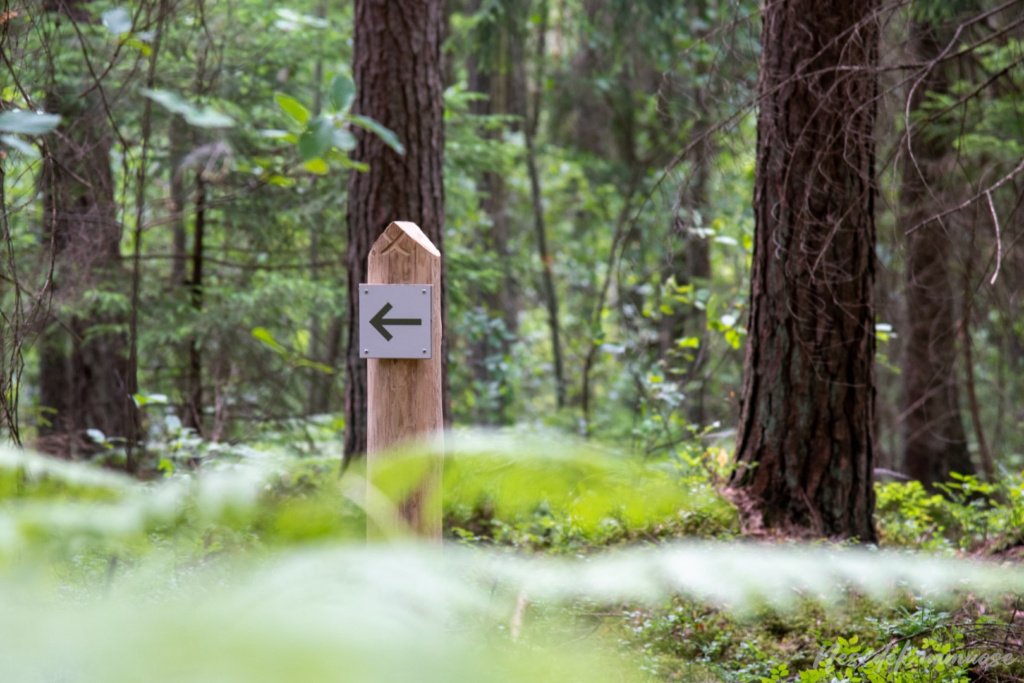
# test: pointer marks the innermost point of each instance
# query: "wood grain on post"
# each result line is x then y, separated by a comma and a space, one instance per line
404, 397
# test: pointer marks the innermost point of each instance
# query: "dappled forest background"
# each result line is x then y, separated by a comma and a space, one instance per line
174, 269
719, 277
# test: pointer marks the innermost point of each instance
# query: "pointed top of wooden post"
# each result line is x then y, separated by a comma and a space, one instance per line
398, 235
403, 254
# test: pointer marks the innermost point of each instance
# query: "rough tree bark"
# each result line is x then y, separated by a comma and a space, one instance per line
805, 447
85, 373
397, 68
934, 441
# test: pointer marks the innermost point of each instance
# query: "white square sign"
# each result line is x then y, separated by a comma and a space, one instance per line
395, 321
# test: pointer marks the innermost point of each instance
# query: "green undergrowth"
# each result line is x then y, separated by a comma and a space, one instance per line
964, 514
562, 561
908, 638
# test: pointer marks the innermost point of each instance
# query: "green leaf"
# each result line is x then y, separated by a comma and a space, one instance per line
293, 108
280, 180
20, 145
201, 117
27, 122
290, 355
342, 92
267, 337
142, 400
383, 132
118, 21
291, 20
314, 365
359, 166
275, 134
316, 139
733, 338
317, 166
282, 135
344, 140
139, 45
170, 101
207, 117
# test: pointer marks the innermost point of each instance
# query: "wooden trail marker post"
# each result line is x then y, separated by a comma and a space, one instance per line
400, 338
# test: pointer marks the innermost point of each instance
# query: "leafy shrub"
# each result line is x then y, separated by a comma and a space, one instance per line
963, 514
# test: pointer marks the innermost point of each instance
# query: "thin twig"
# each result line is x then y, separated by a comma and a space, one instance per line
999, 237
963, 205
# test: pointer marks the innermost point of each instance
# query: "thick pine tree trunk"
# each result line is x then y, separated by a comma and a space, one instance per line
85, 375
934, 442
805, 446
397, 68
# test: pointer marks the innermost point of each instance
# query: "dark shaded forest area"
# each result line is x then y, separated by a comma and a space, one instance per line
716, 269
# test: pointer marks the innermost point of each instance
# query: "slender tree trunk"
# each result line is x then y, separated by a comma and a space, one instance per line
12, 324
548, 290
194, 384
397, 67
934, 443
320, 383
324, 400
691, 265
805, 448
131, 457
987, 464
180, 144
54, 380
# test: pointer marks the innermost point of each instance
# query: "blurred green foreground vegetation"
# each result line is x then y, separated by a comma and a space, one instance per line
562, 561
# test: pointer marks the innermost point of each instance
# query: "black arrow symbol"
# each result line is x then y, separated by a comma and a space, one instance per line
379, 321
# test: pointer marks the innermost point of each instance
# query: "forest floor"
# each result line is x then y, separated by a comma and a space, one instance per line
561, 561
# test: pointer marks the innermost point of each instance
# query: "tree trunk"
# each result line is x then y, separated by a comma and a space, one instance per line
85, 373
193, 414
324, 351
690, 264
987, 464
322, 398
548, 290
934, 442
492, 71
397, 68
180, 143
805, 447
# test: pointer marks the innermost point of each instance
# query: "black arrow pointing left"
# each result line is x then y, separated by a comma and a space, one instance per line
379, 321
